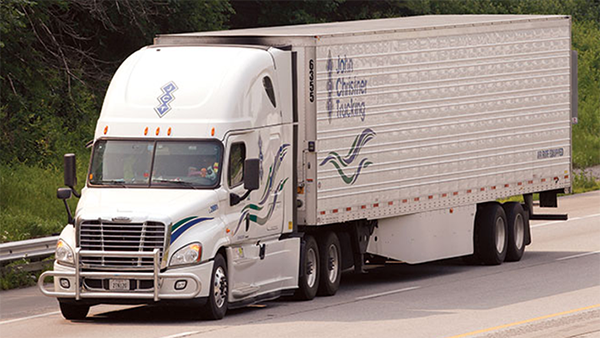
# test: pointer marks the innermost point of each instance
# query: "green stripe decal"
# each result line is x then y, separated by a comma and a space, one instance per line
178, 224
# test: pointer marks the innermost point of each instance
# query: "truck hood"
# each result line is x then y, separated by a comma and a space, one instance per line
140, 205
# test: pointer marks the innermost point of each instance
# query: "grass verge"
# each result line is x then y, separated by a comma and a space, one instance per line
29, 207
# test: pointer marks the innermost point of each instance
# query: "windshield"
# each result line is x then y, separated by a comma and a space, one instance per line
156, 163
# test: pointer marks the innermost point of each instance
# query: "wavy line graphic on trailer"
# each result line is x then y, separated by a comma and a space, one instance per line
248, 210
340, 163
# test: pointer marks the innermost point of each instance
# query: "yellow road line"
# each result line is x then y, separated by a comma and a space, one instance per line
526, 321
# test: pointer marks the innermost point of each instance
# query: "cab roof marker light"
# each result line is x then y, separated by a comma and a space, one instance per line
105, 130
157, 131
169, 132
146, 131
212, 132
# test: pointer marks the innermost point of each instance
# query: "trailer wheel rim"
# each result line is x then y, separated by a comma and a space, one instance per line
519, 231
311, 263
220, 287
500, 234
332, 263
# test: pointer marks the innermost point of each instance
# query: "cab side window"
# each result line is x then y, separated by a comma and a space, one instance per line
237, 156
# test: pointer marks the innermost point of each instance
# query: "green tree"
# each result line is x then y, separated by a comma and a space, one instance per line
57, 59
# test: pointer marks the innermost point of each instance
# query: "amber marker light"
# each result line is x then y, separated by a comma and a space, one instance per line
105, 130
157, 131
169, 131
146, 131
212, 132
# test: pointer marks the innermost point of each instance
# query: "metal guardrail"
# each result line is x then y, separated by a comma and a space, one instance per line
30, 248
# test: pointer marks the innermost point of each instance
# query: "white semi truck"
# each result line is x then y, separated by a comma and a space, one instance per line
238, 166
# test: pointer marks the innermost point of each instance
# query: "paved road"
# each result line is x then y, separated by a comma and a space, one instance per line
553, 292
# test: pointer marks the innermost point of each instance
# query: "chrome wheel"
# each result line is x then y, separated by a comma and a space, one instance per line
519, 231
311, 263
500, 234
220, 287
332, 263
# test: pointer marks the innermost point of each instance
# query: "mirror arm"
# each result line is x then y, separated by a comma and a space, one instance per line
75, 193
70, 219
235, 199
244, 196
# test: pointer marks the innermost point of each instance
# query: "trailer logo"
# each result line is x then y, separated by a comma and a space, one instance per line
342, 163
166, 98
350, 90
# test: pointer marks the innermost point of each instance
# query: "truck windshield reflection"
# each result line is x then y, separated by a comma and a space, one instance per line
174, 164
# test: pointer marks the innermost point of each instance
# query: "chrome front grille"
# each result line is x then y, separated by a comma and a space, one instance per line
112, 236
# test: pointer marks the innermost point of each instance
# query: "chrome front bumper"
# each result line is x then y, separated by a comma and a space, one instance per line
78, 291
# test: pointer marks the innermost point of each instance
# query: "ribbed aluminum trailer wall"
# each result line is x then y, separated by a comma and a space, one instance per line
441, 116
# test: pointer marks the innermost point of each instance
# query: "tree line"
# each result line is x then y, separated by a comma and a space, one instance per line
57, 56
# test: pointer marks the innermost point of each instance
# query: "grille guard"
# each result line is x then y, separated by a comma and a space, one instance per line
155, 275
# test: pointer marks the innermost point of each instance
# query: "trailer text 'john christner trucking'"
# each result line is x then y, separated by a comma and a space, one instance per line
234, 167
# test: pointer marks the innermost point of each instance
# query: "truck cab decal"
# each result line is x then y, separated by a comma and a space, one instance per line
183, 225
166, 98
273, 170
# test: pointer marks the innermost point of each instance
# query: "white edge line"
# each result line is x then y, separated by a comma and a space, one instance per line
388, 293
183, 334
30, 317
579, 255
570, 219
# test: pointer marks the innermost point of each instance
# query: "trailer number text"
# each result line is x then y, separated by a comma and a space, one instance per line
549, 153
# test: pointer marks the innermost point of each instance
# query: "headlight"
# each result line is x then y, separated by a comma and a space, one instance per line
64, 253
189, 254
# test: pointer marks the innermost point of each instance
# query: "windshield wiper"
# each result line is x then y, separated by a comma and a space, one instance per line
113, 182
173, 181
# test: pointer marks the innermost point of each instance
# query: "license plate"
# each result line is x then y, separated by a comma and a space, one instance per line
118, 285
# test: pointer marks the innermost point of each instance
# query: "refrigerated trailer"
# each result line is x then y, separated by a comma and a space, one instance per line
238, 166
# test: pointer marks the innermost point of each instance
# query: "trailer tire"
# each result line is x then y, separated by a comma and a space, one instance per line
491, 235
73, 311
517, 224
308, 283
331, 272
218, 293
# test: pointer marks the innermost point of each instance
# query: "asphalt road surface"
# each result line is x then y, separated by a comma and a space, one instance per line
553, 292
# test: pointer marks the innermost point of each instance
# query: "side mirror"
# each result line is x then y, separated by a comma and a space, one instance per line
70, 170
63, 193
251, 180
252, 174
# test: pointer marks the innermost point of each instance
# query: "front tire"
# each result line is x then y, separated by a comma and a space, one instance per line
491, 234
308, 283
216, 305
331, 272
517, 224
73, 311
